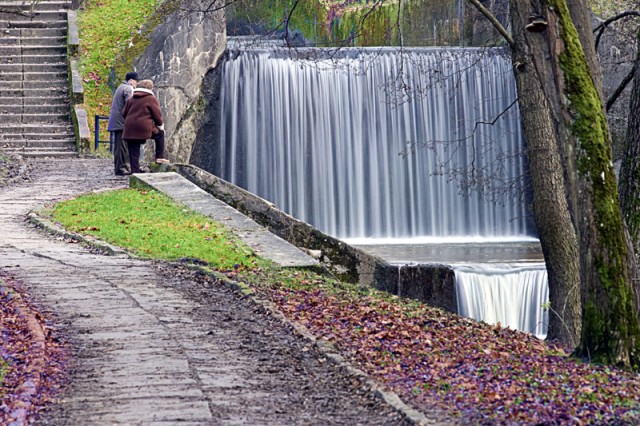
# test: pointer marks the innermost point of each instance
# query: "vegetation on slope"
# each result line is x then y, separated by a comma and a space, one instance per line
100, 46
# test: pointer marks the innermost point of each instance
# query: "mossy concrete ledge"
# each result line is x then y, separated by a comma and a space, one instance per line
264, 243
433, 284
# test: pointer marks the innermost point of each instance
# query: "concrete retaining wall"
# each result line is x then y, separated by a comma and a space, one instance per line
433, 284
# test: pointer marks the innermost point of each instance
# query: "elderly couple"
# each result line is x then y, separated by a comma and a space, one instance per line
135, 117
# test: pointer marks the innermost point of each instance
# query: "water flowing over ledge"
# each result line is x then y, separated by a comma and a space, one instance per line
512, 295
322, 139
387, 146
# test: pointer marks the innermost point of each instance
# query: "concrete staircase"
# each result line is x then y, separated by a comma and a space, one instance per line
35, 118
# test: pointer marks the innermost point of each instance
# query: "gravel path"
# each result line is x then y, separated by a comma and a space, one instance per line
155, 344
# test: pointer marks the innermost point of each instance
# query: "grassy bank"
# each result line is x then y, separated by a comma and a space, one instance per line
101, 44
476, 372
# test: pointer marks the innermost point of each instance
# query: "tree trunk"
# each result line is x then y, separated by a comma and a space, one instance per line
630, 170
551, 209
630, 175
581, 17
610, 326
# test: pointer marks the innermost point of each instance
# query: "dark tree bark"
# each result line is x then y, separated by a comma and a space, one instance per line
551, 208
630, 169
610, 326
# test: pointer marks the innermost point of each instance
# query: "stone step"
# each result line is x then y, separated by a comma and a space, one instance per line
62, 23
33, 32
35, 130
39, 6
40, 143
19, 140
35, 118
38, 15
58, 40
15, 89
23, 137
43, 152
59, 68
61, 108
34, 105
55, 59
33, 101
29, 76
32, 50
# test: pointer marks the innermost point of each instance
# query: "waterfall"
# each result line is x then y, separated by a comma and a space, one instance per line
511, 295
322, 139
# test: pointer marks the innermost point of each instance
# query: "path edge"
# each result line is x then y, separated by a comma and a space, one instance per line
381, 392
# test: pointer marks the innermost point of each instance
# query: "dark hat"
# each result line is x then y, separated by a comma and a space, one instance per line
132, 76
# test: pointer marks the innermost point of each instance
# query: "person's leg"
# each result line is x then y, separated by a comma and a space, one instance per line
159, 140
120, 154
134, 154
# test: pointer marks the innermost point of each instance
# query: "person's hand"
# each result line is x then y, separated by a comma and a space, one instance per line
161, 127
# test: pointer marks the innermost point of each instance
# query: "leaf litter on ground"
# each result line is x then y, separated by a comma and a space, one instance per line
33, 356
480, 373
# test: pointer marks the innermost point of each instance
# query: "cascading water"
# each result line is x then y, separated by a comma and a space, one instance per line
321, 140
488, 293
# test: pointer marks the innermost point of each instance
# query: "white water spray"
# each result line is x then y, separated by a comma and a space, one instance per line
511, 295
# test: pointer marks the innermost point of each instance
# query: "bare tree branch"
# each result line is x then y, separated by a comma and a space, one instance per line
287, 20
495, 119
497, 25
623, 84
603, 26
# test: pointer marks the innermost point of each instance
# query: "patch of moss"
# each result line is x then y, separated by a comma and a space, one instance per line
609, 322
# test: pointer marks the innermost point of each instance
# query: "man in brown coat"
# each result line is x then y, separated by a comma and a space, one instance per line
142, 116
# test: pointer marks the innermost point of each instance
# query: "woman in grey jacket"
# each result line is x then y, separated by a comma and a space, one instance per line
121, 163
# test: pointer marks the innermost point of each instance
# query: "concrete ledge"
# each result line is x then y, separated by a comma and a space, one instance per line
73, 39
77, 89
346, 262
81, 125
433, 284
263, 242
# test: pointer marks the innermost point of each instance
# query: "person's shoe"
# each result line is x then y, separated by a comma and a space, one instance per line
162, 160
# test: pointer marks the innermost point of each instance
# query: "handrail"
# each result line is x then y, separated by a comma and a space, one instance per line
96, 132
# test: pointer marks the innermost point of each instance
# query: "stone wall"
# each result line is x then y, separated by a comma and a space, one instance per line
182, 47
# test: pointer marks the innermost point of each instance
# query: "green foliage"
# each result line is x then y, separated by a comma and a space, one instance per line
607, 8
358, 23
151, 225
106, 28
4, 369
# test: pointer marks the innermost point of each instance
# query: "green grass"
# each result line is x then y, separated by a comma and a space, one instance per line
4, 368
106, 27
150, 225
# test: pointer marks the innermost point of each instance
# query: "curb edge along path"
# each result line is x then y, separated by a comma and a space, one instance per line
152, 346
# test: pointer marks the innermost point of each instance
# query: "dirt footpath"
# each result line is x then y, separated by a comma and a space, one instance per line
154, 344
